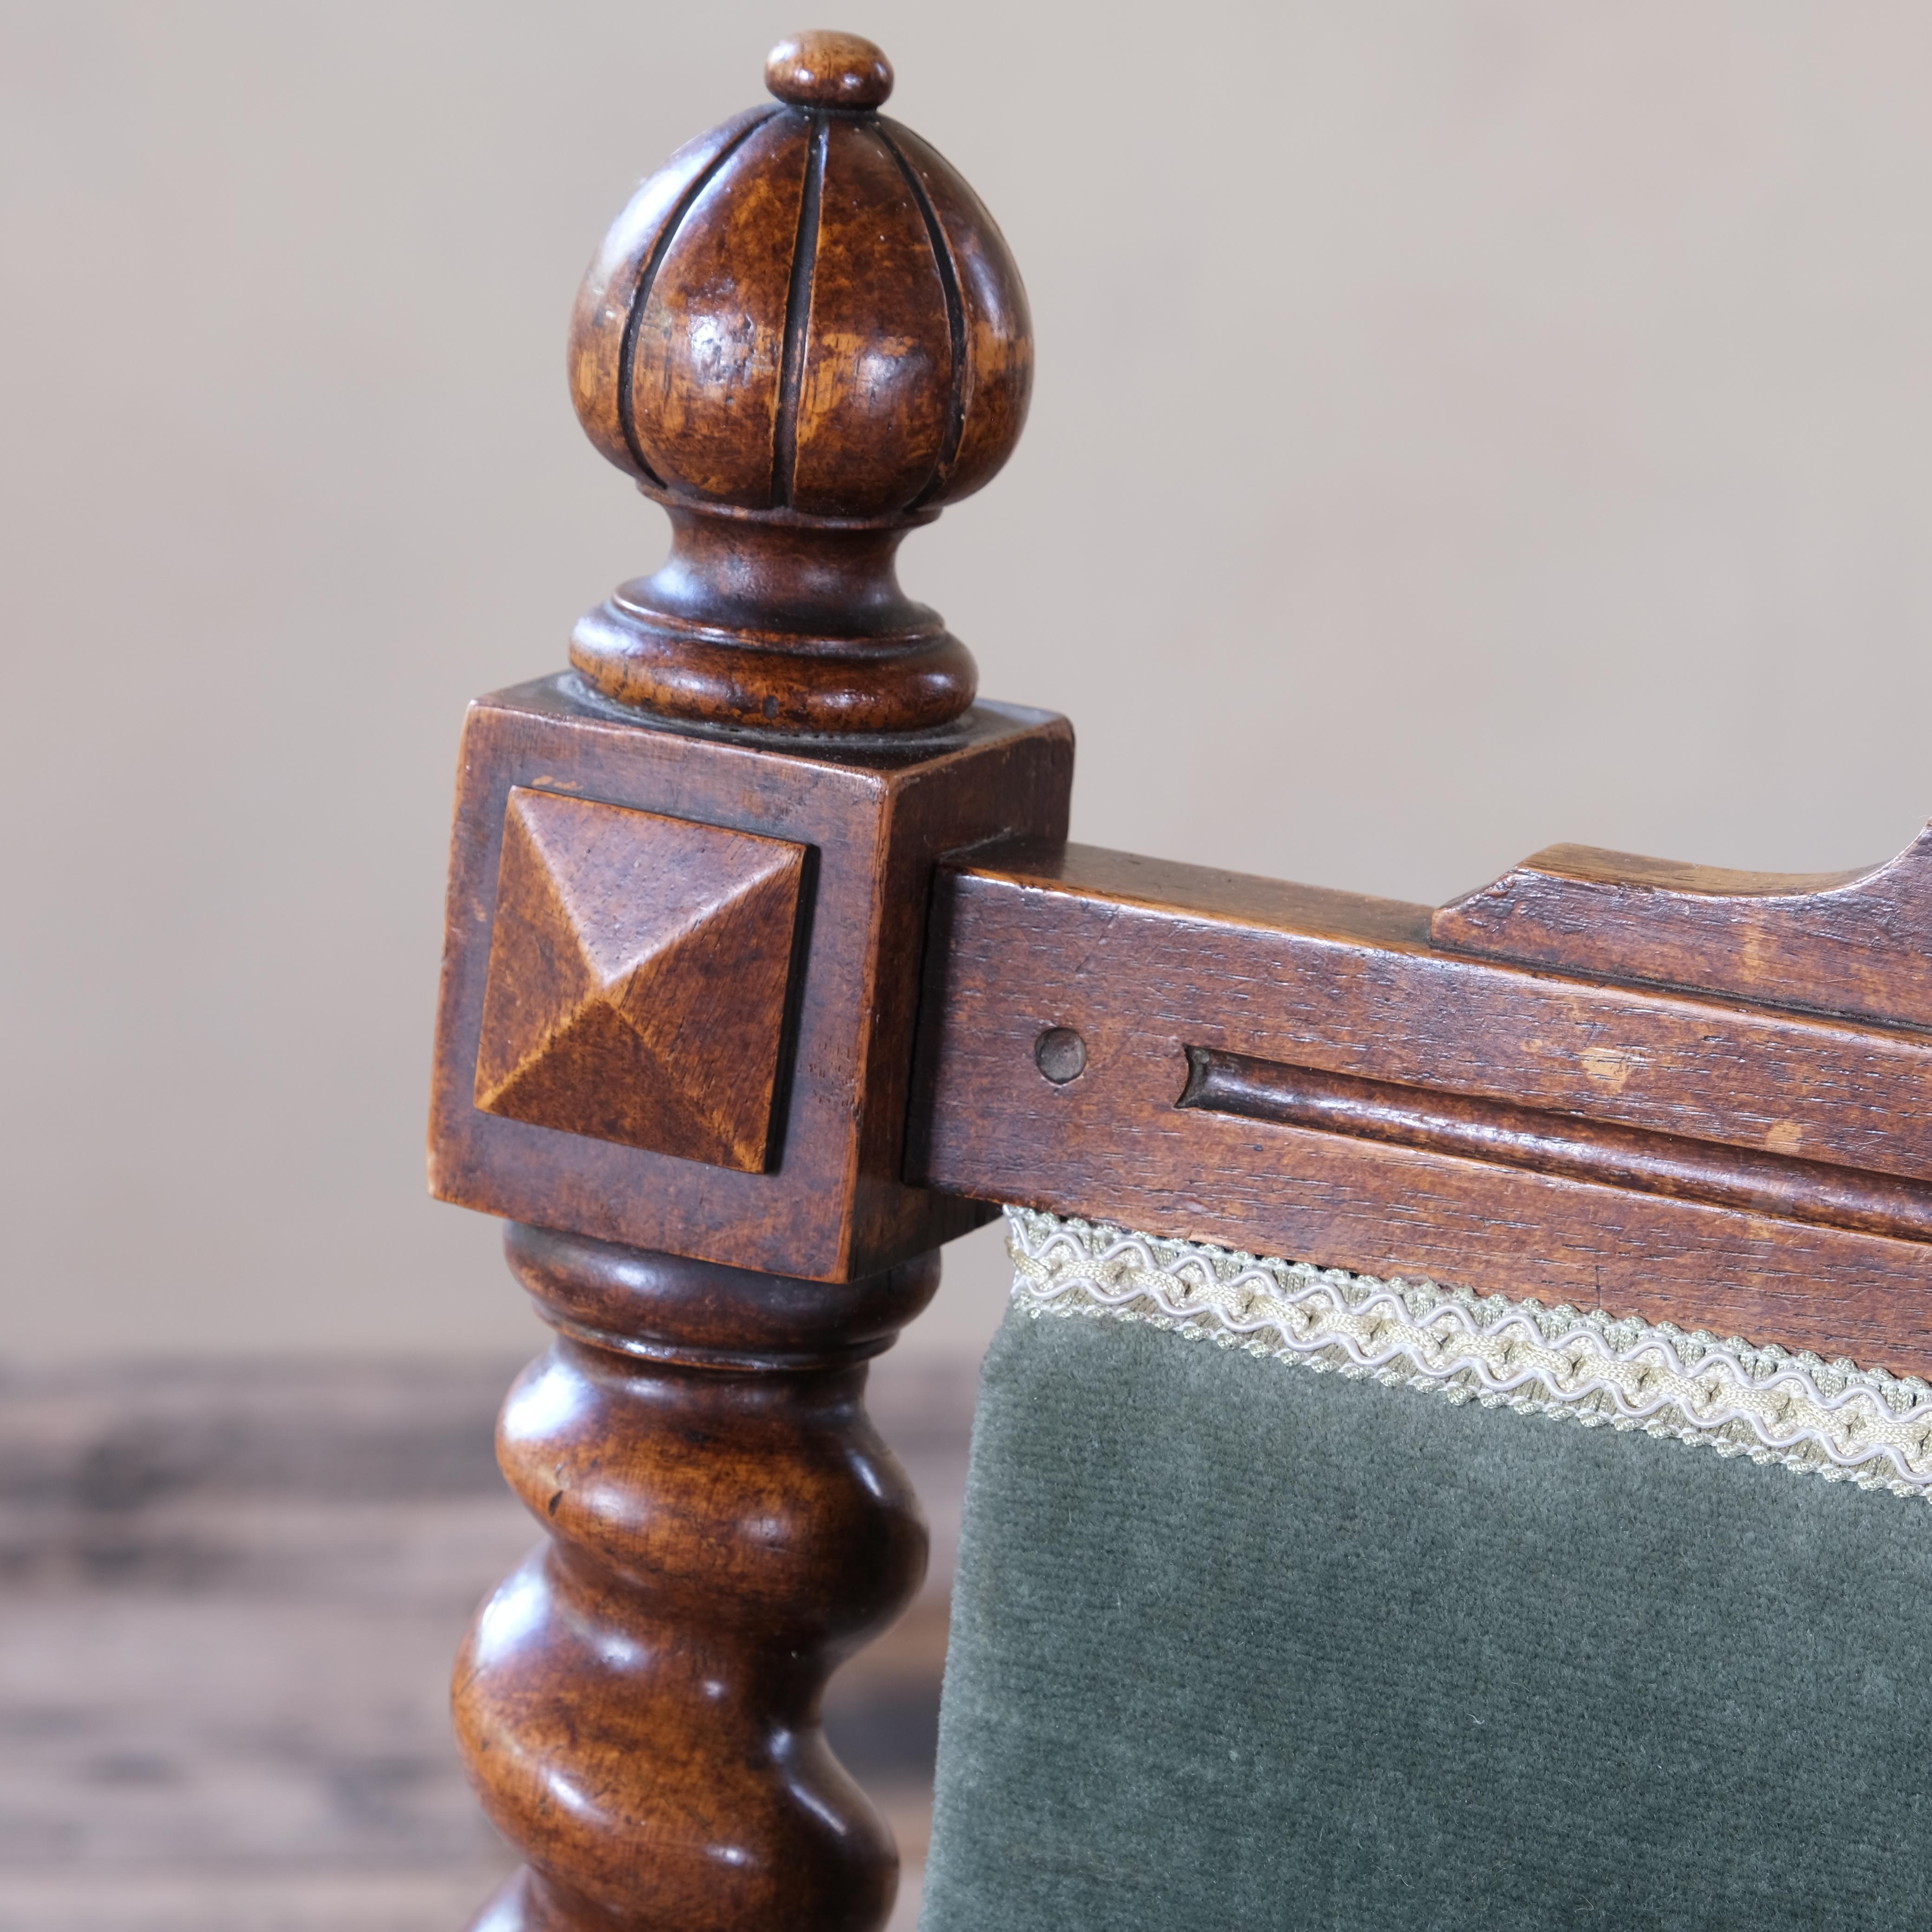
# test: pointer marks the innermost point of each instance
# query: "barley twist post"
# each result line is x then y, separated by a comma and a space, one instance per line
687, 918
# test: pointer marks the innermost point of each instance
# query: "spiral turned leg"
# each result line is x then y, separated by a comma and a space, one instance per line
639, 1703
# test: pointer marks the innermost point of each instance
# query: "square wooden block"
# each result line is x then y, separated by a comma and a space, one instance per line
664, 1018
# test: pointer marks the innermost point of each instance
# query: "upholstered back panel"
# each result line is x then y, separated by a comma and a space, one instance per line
1236, 1645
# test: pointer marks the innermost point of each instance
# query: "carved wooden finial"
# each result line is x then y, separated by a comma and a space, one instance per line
803, 337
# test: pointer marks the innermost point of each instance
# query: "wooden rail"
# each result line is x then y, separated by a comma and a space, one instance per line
1307, 1073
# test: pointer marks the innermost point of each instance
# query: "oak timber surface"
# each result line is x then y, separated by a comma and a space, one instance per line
834, 1202
1746, 1157
1854, 943
638, 976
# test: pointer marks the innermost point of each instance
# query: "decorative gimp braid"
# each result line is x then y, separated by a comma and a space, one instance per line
1828, 1419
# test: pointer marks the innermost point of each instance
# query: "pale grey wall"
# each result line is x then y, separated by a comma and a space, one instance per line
1459, 425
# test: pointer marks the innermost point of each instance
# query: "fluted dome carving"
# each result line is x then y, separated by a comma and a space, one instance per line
805, 312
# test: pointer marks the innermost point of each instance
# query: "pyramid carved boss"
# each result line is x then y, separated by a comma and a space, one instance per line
606, 1012
688, 887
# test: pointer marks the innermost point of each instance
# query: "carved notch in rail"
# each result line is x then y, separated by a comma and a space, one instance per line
1852, 943
1777, 1186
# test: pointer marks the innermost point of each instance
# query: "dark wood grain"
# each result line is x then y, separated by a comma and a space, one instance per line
833, 1203
870, 427
687, 913
701, 396
639, 1704
993, 368
824, 69
639, 969
792, 629
807, 326
1145, 961
1330, 981
621, 275
1856, 942
1552, 1143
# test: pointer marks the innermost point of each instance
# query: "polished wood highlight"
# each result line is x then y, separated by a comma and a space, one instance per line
639, 966
824, 69
1145, 960
639, 1704
1857, 942
803, 337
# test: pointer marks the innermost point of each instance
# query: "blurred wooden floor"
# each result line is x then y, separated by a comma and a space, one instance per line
229, 1598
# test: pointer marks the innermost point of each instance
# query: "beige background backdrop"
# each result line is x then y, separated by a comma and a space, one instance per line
1460, 424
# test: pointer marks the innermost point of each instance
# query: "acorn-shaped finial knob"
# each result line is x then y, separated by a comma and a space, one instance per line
803, 336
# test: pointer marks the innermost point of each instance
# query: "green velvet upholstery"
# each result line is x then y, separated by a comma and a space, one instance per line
1235, 1645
